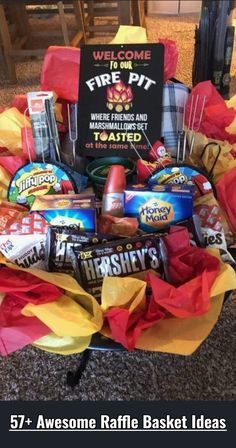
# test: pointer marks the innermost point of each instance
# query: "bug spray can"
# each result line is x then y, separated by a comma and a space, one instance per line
113, 196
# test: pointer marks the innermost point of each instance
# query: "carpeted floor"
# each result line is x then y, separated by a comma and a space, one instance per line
209, 374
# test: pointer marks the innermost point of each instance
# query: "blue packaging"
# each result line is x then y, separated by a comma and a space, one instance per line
158, 206
74, 211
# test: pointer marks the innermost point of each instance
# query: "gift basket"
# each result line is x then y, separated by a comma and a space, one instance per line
115, 251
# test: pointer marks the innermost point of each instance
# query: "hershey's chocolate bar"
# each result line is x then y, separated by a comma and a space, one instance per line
117, 258
60, 241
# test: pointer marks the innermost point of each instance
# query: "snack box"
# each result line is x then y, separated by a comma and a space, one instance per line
158, 206
74, 211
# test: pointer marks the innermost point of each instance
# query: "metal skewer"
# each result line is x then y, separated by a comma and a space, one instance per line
41, 139
188, 127
26, 135
50, 127
74, 138
150, 145
198, 126
180, 133
136, 151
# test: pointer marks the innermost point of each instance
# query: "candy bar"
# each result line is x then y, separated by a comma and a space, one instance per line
60, 241
118, 258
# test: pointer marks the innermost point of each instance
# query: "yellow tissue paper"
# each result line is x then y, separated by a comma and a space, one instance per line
214, 160
66, 317
11, 123
231, 129
76, 313
4, 182
127, 292
127, 34
62, 345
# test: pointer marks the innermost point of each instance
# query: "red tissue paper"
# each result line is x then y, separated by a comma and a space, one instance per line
216, 115
126, 327
17, 331
192, 272
27, 287
60, 72
226, 194
170, 58
20, 287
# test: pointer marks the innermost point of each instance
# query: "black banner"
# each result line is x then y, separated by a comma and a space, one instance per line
120, 99
159, 420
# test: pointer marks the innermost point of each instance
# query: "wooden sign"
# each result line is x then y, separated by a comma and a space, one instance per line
120, 99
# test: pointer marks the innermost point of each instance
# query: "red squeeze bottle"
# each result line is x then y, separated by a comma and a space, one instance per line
113, 196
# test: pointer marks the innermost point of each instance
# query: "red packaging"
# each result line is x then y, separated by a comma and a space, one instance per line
29, 224
9, 213
208, 210
159, 154
113, 195
117, 226
159, 158
145, 169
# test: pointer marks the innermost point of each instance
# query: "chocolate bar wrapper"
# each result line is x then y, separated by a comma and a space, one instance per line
118, 258
59, 242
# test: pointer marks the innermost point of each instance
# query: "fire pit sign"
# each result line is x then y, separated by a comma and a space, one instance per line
120, 99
